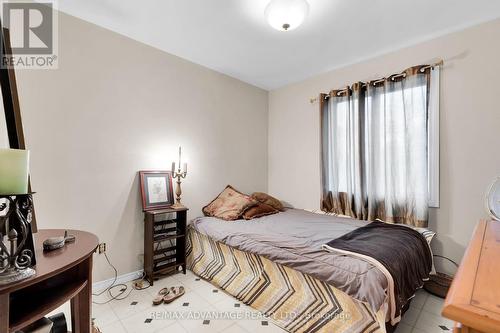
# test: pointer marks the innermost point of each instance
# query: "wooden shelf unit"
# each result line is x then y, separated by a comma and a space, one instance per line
164, 242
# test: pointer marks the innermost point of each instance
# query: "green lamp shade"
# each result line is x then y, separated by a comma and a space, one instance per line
14, 170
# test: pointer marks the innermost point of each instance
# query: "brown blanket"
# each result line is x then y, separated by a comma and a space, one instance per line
403, 251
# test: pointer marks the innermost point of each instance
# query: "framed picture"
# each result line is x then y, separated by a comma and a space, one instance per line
156, 189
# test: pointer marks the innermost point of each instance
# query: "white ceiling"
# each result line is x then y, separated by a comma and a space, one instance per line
232, 36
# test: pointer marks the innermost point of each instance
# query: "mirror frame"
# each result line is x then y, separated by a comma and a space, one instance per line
11, 104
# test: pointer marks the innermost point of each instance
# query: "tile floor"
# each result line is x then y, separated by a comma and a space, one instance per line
136, 313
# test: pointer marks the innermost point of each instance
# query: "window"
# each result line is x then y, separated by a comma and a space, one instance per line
433, 139
380, 148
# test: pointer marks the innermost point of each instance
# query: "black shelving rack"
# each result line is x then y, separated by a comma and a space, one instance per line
164, 242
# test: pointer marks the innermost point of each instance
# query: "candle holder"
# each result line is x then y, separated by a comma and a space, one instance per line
179, 175
178, 191
17, 250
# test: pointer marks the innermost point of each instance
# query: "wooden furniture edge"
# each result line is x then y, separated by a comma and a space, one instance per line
472, 317
458, 305
35, 279
56, 303
165, 211
12, 109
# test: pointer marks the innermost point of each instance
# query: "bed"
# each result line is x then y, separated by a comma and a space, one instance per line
276, 264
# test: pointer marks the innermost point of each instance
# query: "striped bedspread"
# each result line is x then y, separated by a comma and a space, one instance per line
294, 301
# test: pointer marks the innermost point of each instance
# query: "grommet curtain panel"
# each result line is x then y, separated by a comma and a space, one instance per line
374, 148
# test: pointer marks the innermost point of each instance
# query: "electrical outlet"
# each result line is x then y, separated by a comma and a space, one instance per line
102, 248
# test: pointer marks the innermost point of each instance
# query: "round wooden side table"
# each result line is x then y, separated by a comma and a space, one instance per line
61, 275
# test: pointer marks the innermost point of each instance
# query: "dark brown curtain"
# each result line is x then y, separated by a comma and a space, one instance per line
374, 148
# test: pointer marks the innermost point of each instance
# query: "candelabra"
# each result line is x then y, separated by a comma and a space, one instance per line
15, 257
179, 175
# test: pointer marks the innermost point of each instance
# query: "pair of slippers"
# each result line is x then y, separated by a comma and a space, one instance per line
168, 295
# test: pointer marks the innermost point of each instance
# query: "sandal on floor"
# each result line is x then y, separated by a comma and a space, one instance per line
173, 294
161, 294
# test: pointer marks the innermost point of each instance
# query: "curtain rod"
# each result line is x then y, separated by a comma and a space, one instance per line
313, 100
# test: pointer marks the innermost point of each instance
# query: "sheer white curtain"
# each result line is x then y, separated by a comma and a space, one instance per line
375, 149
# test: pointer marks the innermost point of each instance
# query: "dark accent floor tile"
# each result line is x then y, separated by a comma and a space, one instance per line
444, 328
215, 291
147, 321
185, 304
236, 305
197, 279
206, 322
133, 303
264, 323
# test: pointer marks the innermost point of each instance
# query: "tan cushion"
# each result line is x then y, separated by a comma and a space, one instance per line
259, 210
229, 204
268, 200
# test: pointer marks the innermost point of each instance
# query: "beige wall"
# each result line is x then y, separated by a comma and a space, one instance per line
116, 106
470, 125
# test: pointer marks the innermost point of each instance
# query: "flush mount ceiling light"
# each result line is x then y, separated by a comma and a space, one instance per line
286, 15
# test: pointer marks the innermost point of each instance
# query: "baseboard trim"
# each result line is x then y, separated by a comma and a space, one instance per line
124, 278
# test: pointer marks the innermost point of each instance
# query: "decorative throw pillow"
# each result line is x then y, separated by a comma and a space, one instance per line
268, 200
259, 210
322, 212
229, 204
427, 233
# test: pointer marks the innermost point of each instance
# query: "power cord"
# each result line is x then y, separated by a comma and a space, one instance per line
122, 293
443, 257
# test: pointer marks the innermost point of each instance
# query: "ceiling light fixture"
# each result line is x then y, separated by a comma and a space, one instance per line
285, 15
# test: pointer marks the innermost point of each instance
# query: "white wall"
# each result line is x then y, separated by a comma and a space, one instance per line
116, 106
470, 123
